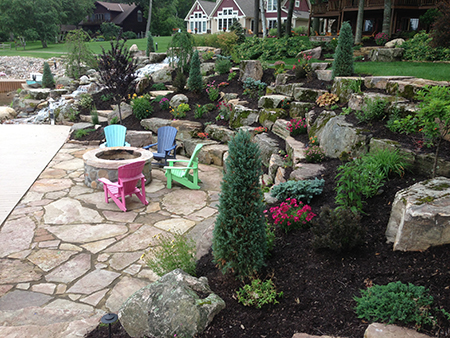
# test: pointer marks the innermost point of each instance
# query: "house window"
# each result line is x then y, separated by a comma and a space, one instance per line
204, 26
271, 5
413, 24
272, 24
107, 17
229, 16
139, 16
297, 3
192, 26
368, 25
99, 17
219, 25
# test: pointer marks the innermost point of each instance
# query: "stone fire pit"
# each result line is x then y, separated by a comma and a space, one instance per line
103, 162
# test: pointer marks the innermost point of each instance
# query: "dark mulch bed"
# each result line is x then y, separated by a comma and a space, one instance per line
319, 286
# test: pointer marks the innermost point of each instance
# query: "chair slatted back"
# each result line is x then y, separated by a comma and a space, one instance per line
129, 175
115, 135
166, 138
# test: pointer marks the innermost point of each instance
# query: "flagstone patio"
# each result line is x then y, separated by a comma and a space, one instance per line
67, 257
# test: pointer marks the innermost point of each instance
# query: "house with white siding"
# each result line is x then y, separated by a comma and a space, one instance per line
212, 17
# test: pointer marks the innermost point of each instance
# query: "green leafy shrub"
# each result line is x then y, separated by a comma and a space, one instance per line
200, 111
142, 107
314, 154
79, 57
409, 124
114, 120
279, 67
237, 29
239, 235
47, 77
292, 215
337, 229
82, 132
232, 75
227, 42
303, 190
158, 86
150, 45
181, 48
195, 81
170, 253
208, 55
86, 101
254, 88
395, 303
110, 30
129, 35
419, 49
374, 110
258, 293
223, 65
180, 111
343, 58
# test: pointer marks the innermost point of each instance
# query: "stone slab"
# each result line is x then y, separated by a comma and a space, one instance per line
122, 291
94, 281
184, 202
18, 299
16, 235
67, 210
14, 271
71, 270
84, 233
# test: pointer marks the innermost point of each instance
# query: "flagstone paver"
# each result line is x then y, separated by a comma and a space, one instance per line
63, 249
16, 235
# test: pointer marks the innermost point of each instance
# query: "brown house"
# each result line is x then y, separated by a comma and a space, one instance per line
129, 17
328, 15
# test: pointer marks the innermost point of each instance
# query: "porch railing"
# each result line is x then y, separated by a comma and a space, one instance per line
337, 5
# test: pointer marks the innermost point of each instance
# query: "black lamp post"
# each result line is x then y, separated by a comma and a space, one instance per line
109, 318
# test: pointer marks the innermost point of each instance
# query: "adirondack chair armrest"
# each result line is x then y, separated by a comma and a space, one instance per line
150, 145
170, 149
108, 182
180, 168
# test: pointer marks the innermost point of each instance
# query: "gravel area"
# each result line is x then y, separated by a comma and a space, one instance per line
20, 67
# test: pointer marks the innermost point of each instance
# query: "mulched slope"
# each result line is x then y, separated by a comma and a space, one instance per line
319, 286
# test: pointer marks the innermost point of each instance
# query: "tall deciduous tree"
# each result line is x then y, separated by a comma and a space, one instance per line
263, 18
289, 18
258, 7
279, 33
387, 17
359, 22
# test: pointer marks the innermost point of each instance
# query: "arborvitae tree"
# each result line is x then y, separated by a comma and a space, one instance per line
150, 44
180, 50
195, 81
47, 77
343, 57
239, 237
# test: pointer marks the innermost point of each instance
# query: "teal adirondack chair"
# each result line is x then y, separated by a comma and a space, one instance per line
115, 136
183, 175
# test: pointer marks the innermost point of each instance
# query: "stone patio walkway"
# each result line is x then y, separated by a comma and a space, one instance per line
67, 257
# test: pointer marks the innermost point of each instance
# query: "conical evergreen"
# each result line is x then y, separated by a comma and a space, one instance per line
195, 81
47, 77
150, 44
239, 237
343, 57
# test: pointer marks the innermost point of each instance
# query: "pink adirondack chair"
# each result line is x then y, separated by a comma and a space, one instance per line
128, 177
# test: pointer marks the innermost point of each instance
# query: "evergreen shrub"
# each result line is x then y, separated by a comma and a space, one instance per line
47, 77
195, 81
303, 190
343, 57
180, 80
337, 229
150, 45
239, 236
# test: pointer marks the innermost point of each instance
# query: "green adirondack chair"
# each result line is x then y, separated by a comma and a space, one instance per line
183, 175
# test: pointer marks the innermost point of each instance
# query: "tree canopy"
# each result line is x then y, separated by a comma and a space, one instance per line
40, 19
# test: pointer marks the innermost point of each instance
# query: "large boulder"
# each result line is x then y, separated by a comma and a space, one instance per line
177, 304
7, 113
250, 68
394, 43
336, 136
154, 123
178, 99
243, 116
386, 54
267, 146
162, 75
271, 101
420, 216
315, 53
156, 57
125, 111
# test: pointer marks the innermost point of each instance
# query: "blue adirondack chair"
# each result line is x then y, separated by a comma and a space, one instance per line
183, 175
115, 136
166, 146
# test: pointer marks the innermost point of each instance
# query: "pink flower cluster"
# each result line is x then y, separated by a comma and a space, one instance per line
292, 214
297, 127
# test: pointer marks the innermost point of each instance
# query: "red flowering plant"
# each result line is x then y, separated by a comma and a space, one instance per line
381, 38
297, 127
302, 68
292, 214
259, 130
202, 135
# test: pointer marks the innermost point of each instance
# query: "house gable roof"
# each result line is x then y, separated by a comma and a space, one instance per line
124, 10
245, 6
207, 7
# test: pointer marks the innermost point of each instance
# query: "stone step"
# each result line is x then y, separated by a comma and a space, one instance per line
155, 93
104, 113
88, 118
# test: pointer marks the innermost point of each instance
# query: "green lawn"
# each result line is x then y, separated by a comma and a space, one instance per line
424, 70
34, 48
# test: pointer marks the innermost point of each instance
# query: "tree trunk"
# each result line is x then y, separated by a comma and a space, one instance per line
436, 157
279, 18
263, 18
149, 19
289, 18
387, 17
44, 43
359, 22
256, 14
